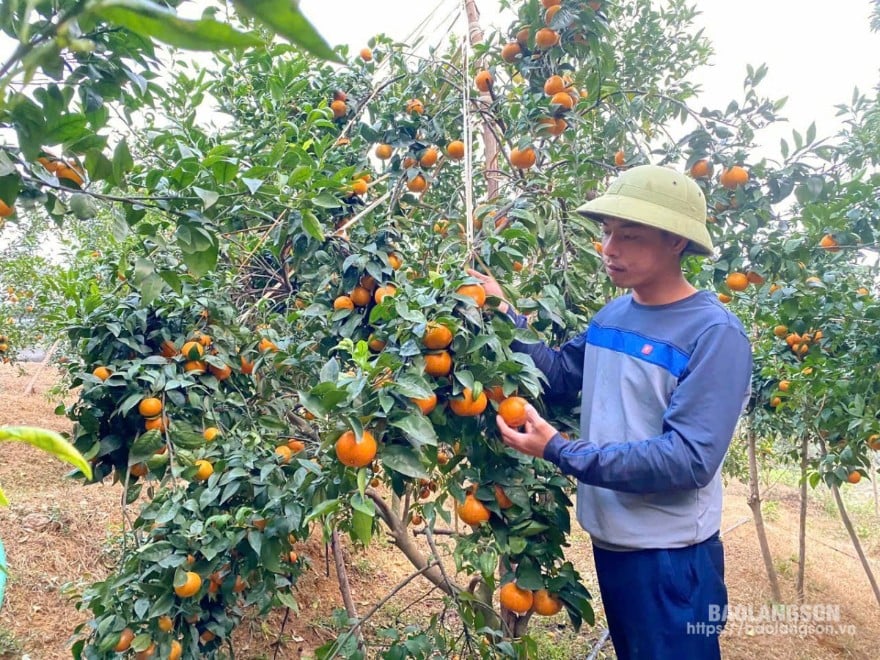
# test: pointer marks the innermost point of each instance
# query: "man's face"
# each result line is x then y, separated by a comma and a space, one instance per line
636, 255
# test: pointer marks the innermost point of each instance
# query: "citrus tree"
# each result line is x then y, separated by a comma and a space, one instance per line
286, 342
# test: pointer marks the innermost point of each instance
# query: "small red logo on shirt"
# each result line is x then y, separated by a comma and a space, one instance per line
647, 349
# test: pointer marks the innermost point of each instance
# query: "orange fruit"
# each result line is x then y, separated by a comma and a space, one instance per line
546, 38
702, 169
467, 406
472, 512
415, 106
854, 477
437, 336
550, 13
395, 261
204, 469
438, 364
176, 651
368, 282
553, 85
620, 158
510, 52
220, 373
408, 162
504, 502
146, 653
754, 278
384, 151
563, 100
513, 411
552, 125
196, 366
352, 453
733, 177
455, 150
138, 470
359, 187
417, 184
383, 291
551, 3
102, 373
516, 599
475, 291
192, 350
267, 345
191, 586
522, 37
366, 54
495, 393
150, 407
546, 604
723, 297
359, 297
207, 637
429, 157
426, 405
247, 367
166, 623
339, 109
125, 638
210, 434
775, 401
157, 423
167, 349
69, 173
737, 281
375, 344
284, 453
240, 585
295, 446
5, 209
343, 302
829, 243
522, 159
483, 80
874, 442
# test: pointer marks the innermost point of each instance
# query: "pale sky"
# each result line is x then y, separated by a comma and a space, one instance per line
816, 52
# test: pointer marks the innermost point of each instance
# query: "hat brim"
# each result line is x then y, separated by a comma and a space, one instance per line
647, 213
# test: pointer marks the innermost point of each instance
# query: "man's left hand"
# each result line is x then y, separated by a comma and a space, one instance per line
533, 438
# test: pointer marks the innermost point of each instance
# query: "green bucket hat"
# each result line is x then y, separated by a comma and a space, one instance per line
657, 197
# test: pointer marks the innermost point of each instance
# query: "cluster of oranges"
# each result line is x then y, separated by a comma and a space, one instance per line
799, 344
67, 170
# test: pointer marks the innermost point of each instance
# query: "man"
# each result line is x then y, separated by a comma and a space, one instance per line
663, 373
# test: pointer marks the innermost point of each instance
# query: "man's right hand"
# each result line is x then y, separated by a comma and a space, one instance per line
490, 284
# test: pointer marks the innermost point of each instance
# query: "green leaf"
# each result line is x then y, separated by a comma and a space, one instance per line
404, 460
145, 446
153, 21
418, 430
48, 441
285, 18
312, 225
361, 526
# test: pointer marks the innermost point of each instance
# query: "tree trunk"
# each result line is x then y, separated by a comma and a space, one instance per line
345, 586
490, 143
802, 521
755, 506
855, 541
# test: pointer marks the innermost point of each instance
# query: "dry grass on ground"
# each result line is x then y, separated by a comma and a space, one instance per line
59, 533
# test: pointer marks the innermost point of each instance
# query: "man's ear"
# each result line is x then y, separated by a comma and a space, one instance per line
678, 243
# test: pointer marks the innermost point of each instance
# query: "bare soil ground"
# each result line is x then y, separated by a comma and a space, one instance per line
60, 536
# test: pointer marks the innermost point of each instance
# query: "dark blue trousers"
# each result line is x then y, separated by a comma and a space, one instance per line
664, 604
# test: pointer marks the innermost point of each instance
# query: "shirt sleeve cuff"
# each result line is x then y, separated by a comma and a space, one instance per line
554, 448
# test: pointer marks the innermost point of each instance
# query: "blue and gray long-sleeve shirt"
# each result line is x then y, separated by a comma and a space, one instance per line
661, 388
